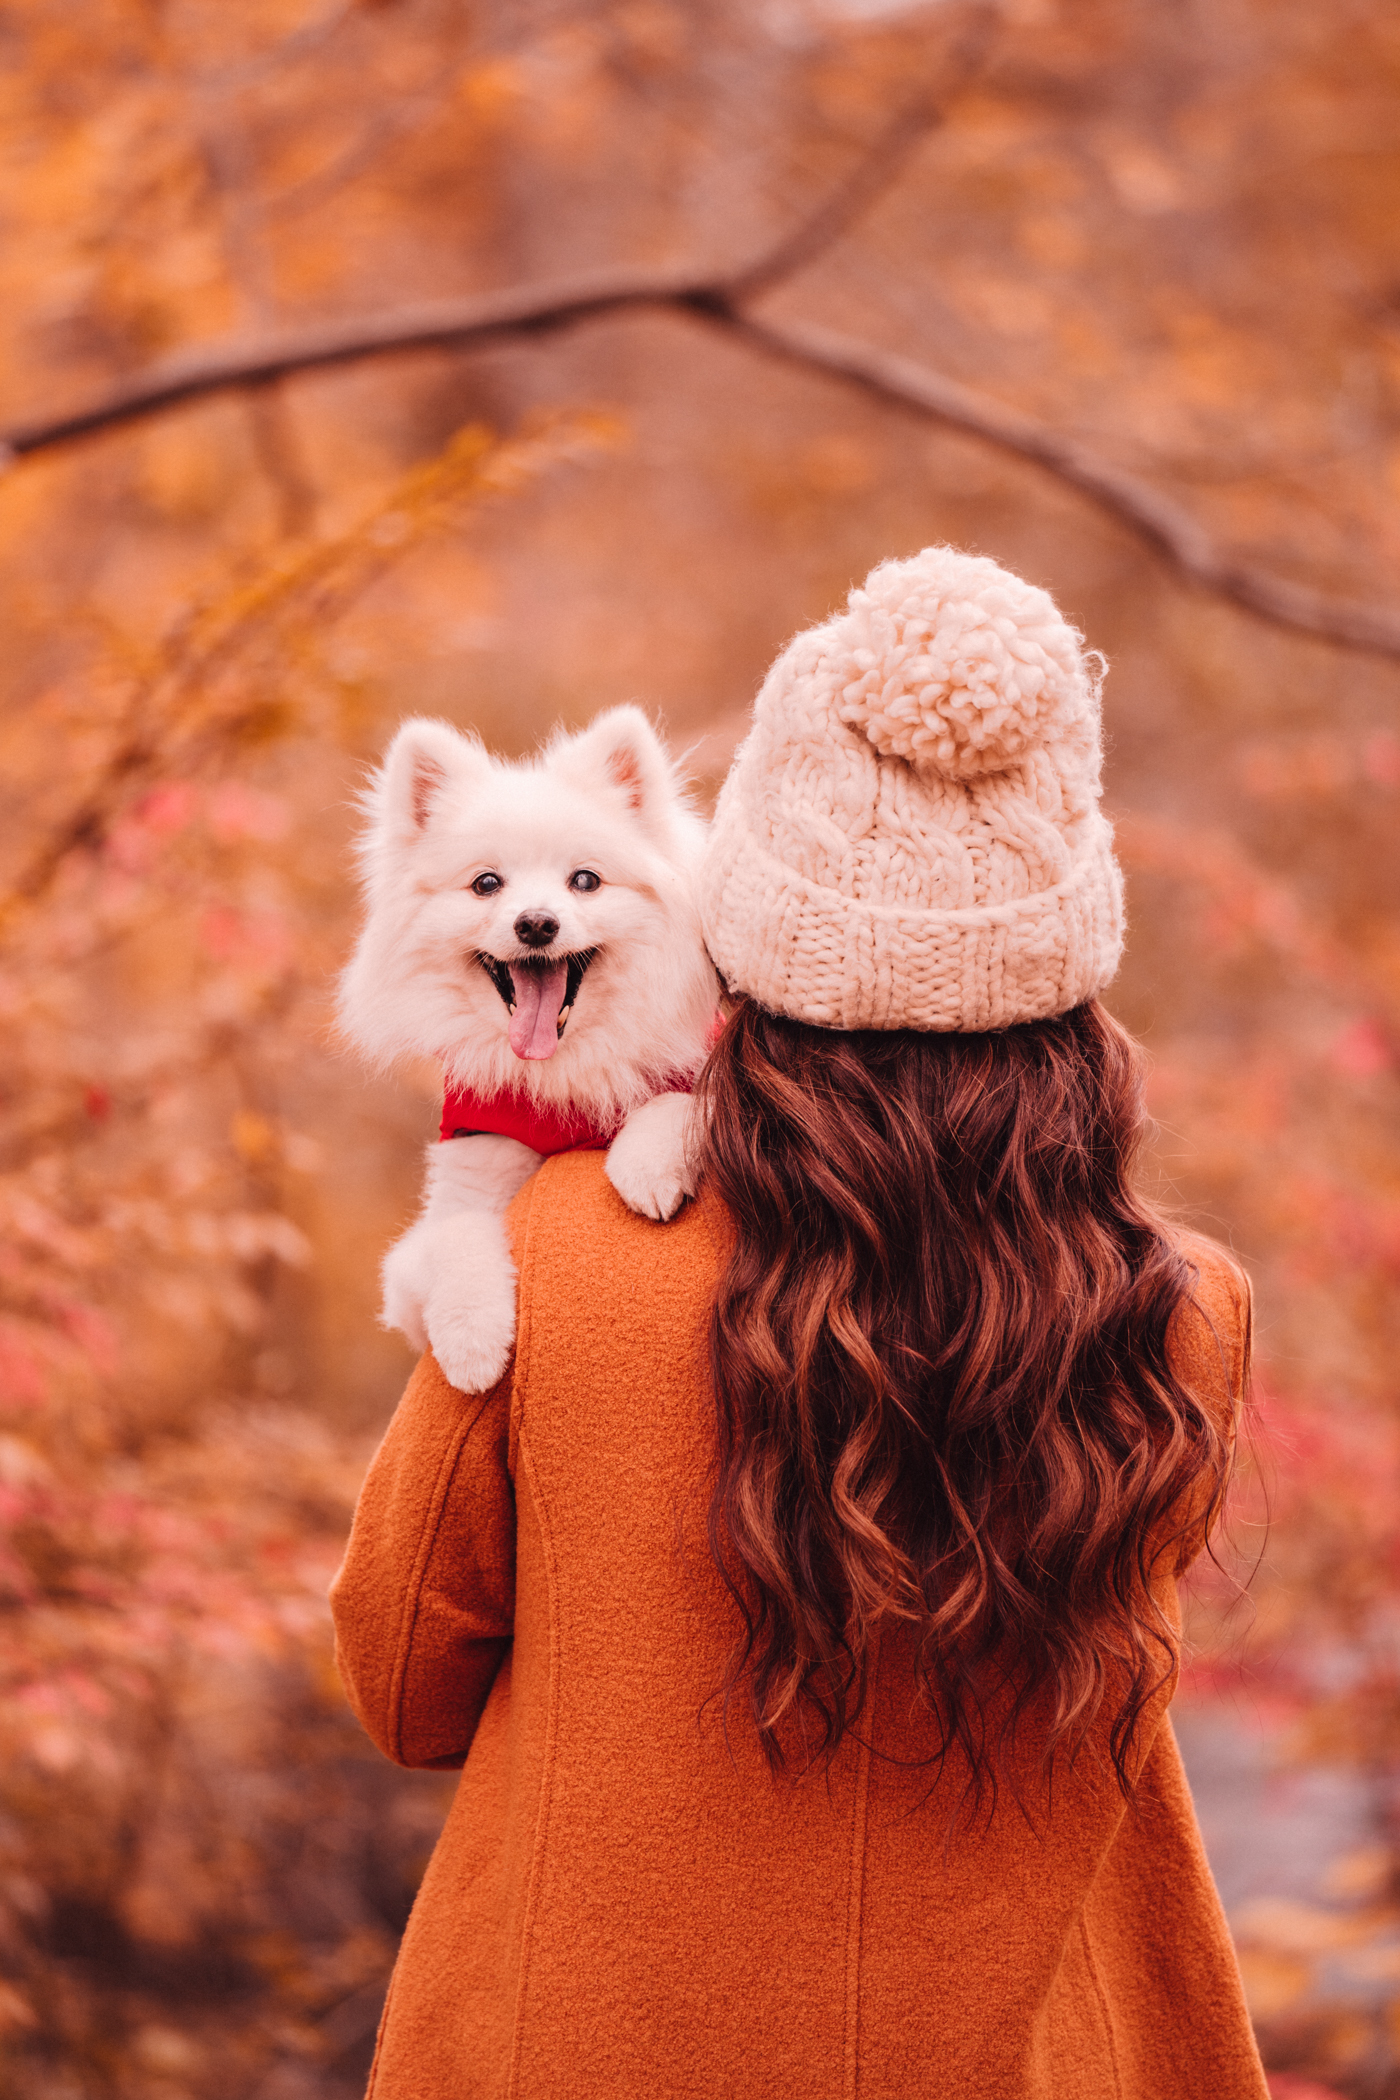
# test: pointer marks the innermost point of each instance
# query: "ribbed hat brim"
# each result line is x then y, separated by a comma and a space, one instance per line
821, 956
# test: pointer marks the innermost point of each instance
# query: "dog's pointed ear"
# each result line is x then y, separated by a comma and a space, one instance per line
621, 754
425, 762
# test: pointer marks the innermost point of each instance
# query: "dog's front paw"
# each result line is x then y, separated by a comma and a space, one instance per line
647, 1162
469, 1309
472, 1347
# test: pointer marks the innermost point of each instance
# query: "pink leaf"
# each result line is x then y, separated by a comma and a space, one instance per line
1362, 1051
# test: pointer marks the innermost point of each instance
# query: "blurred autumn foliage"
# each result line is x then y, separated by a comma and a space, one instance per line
1161, 234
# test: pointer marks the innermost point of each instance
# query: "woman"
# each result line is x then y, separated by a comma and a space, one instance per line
802, 1607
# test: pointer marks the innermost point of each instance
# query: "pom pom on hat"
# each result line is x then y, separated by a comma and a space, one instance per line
958, 666
911, 835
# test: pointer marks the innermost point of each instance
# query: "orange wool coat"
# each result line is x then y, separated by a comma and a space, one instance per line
623, 1904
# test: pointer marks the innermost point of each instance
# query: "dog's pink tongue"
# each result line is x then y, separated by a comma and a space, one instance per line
539, 994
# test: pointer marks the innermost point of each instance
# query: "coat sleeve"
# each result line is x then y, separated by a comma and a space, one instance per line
424, 1600
1212, 1349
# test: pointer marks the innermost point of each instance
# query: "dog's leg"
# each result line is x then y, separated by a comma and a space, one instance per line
450, 1281
476, 1173
469, 1311
648, 1162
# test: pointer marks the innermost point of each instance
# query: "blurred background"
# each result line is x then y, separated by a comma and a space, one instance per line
1140, 256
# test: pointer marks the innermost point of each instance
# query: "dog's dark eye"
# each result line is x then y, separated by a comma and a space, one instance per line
585, 879
487, 885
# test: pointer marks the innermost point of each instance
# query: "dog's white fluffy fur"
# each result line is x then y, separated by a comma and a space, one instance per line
442, 815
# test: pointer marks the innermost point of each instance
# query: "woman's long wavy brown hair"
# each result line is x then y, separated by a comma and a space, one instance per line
942, 1377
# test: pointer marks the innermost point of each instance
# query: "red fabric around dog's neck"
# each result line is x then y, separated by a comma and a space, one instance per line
533, 1123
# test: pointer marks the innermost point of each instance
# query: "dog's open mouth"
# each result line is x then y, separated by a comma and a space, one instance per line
539, 997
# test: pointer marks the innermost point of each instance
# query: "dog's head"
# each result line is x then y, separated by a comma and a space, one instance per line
532, 925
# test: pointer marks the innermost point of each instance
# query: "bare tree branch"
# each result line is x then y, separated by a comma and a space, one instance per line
445, 323
871, 179
477, 319
1168, 528
723, 301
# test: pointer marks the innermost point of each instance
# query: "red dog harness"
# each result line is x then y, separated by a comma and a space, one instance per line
535, 1123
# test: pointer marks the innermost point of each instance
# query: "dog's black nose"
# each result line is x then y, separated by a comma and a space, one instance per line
536, 928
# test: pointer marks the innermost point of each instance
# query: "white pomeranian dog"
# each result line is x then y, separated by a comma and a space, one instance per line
531, 926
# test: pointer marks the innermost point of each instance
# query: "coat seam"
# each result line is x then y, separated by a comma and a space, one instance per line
413, 1598
1245, 1345
378, 2058
1102, 1997
524, 1308
536, 1875
524, 1324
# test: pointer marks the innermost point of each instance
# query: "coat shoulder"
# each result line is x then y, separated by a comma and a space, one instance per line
570, 1212
1212, 1334
1221, 1277
603, 1291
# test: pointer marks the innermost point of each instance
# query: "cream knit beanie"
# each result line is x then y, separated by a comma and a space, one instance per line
910, 836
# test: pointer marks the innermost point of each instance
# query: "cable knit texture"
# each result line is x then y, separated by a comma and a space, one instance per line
910, 836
